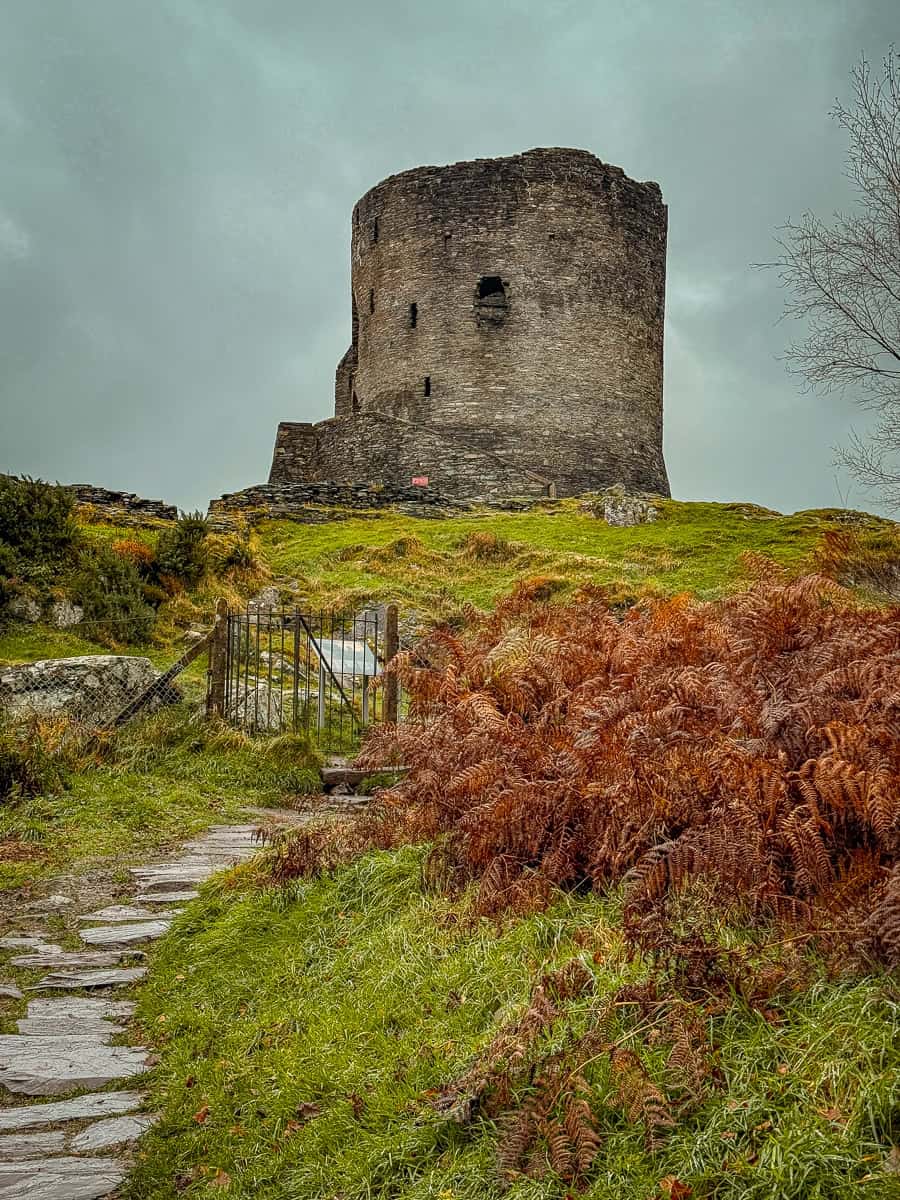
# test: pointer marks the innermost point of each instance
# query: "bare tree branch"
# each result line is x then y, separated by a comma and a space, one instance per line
843, 280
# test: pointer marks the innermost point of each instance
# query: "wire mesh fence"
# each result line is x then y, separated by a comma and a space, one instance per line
107, 679
318, 673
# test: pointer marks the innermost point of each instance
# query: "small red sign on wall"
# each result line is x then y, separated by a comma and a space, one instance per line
420, 481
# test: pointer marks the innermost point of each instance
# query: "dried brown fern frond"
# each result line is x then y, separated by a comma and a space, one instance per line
640, 1098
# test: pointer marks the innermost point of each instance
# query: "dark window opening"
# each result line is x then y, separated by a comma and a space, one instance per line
446, 240
491, 301
355, 403
427, 385
375, 230
413, 315
490, 285
371, 300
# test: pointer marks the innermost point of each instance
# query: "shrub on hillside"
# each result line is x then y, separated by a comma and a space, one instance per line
109, 589
138, 553
235, 552
37, 528
181, 550
751, 746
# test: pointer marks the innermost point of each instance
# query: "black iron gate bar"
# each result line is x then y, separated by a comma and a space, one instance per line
254, 686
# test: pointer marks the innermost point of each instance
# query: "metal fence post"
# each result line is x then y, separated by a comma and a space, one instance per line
218, 651
391, 647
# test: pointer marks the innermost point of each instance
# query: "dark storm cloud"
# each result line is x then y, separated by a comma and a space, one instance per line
178, 177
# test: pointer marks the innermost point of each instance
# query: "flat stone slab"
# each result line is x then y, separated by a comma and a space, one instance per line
93, 1027
106, 1135
333, 777
69, 980
175, 875
124, 935
125, 912
83, 958
19, 1147
95, 1104
52, 1066
61, 1178
9, 991
167, 897
70, 1007
27, 943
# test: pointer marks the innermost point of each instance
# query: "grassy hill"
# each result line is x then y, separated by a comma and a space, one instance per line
322, 1023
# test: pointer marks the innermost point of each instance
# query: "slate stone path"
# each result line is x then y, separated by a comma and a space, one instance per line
72, 1148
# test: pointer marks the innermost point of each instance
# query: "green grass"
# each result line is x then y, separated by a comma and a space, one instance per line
165, 778
426, 564
359, 994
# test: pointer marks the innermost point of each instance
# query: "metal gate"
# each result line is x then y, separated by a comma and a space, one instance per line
317, 673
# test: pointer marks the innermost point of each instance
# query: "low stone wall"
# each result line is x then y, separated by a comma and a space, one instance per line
315, 503
388, 451
113, 504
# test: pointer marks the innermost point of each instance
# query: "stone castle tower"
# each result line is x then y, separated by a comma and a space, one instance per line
507, 334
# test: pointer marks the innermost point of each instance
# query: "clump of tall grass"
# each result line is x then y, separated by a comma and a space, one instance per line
36, 756
862, 557
181, 739
484, 546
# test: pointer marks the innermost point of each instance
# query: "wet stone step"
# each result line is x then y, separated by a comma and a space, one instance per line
70, 980
125, 912
106, 1135
94, 1104
33, 942
19, 1147
70, 1007
53, 1066
124, 935
94, 1027
83, 958
167, 897
64, 1178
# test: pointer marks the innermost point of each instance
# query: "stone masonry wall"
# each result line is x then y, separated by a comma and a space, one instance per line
507, 333
372, 448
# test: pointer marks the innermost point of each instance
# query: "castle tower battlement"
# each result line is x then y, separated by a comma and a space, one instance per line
507, 333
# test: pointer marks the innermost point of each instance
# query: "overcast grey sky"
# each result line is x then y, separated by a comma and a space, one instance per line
178, 175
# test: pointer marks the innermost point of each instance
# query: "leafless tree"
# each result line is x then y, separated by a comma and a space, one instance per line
843, 279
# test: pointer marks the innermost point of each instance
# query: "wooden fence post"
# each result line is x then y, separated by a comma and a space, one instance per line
391, 647
218, 653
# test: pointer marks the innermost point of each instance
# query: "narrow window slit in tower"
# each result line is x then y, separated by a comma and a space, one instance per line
413, 315
371, 300
427, 385
375, 230
355, 403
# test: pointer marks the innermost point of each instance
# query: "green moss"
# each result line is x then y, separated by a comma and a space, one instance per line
302, 1033
430, 564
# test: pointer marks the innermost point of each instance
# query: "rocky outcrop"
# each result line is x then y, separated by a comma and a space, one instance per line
318, 503
116, 505
314, 503
90, 688
617, 507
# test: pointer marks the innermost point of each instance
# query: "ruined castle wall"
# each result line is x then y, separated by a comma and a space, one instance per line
537, 333
371, 448
295, 452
